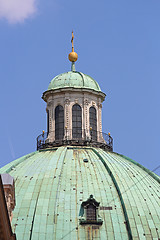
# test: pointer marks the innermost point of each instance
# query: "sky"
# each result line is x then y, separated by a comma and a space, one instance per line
118, 44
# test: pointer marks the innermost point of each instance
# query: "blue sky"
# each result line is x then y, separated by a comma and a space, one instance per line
118, 44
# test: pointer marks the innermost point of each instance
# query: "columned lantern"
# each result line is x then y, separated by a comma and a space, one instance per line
74, 109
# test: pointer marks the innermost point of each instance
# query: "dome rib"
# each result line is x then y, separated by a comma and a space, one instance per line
118, 191
142, 167
10, 166
81, 76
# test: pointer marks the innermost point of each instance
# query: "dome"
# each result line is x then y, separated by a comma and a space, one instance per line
52, 184
74, 186
73, 79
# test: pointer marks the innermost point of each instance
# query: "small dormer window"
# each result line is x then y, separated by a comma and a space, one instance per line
89, 212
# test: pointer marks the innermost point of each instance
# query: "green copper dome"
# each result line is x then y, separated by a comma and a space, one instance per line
52, 184
73, 79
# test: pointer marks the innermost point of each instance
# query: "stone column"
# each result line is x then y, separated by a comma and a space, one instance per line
86, 118
66, 119
100, 122
51, 134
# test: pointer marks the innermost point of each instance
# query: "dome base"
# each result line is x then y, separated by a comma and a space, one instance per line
100, 140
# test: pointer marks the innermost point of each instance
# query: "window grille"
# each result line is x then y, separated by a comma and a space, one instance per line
91, 213
59, 122
93, 122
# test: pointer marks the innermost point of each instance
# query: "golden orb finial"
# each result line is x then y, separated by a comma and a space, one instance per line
73, 56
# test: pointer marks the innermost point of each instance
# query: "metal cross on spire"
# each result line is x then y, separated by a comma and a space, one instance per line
72, 41
73, 56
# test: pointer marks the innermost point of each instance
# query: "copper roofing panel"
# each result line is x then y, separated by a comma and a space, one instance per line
51, 186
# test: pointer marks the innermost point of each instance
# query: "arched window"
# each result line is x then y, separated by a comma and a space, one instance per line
93, 122
76, 122
59, 122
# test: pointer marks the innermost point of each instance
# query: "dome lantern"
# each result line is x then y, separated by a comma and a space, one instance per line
74, 109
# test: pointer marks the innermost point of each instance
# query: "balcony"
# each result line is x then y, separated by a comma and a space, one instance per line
75, 137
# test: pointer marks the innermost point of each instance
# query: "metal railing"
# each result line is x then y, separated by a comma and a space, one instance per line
75, 136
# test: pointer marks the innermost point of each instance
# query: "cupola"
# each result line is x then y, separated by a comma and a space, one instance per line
74, 109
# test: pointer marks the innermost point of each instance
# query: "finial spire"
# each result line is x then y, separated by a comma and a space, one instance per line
72, 41
73, 56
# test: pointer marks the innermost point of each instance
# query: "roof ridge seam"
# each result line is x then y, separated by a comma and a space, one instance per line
142, 167
21, 159
119, 193
81, 74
